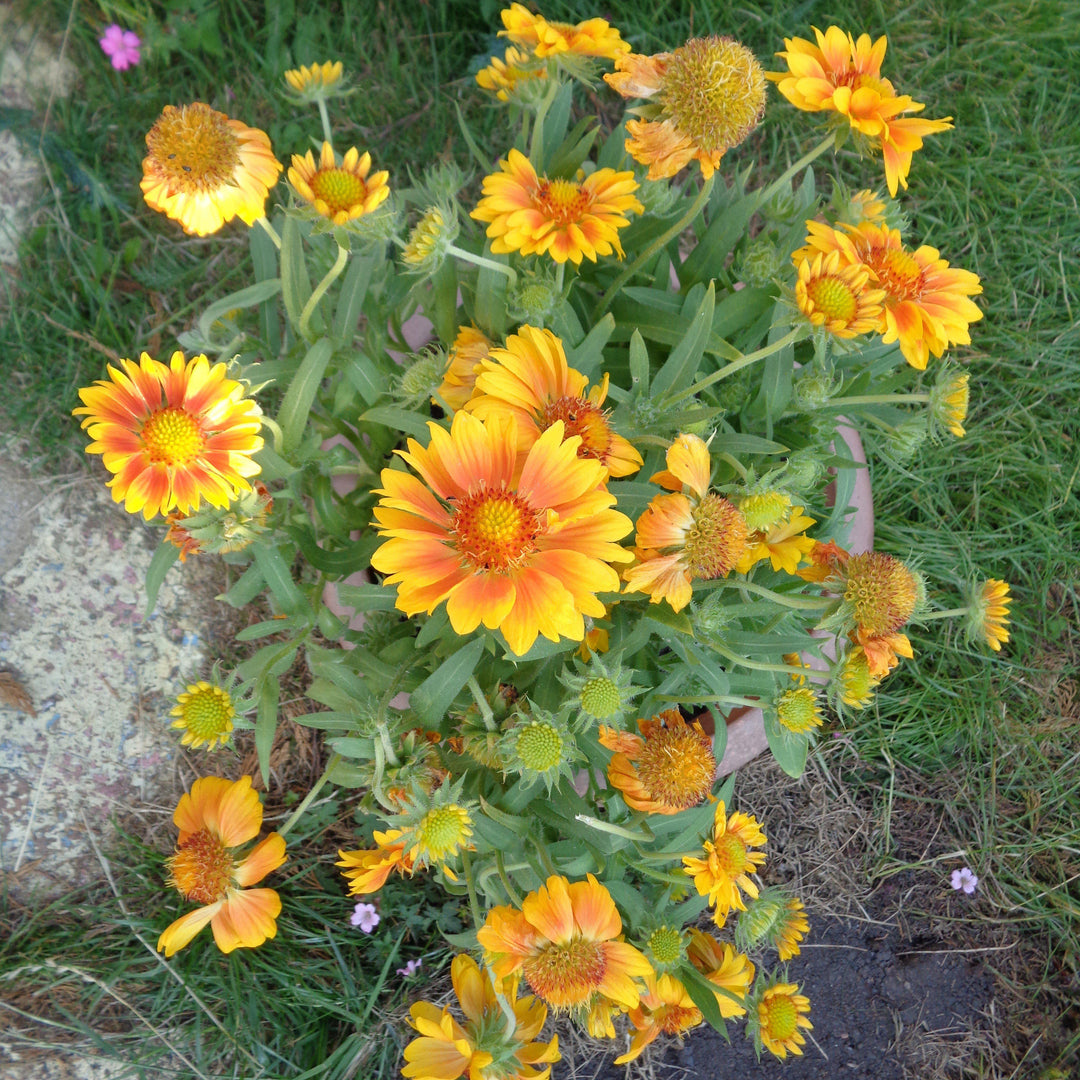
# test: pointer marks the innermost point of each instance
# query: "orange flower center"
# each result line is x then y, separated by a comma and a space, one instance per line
340, 189
567, 974
898, 272
201, 869
495, 530
580, 417
677, 1018
834, 298
172, 436
561, 201
677, 766
731, 854
781, 1017
193, 148
716, 538
881, 591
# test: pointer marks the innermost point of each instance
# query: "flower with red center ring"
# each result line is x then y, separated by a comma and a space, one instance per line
521, 543
728, 861
339, 193
216, 816
204, 169
565, 219
665, 770
531, 380
172, 435
564, 942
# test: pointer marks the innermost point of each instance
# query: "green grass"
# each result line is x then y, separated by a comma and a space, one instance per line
996, 196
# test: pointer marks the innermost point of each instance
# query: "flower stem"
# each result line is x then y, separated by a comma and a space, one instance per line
270, 231
298, 813
950, 614
474, 907
695, 208
785, 177
508, 885
320, 290
482, 260
324, 116
798, 603
874, 399
482, 704
755, 665
536, 144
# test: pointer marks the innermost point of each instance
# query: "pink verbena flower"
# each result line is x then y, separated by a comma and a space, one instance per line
964, 879
121, 47
365, 916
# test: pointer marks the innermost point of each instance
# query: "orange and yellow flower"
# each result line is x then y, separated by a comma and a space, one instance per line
564, 941
691, 535
203, 169
842, 75
593, 37
366, 871
666, 769
725, 968
172, 435
728, 861
837, 296
204, 713
666, 1007
566, 219
486, 1046
785, 544
705, 97
513, 76
927, 305
520, 543
781, 1016
531, 380
314, 81
216, 816
463, 365
339, 193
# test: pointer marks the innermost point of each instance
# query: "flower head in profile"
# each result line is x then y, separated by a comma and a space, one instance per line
666, 769
316, 82
217, 530
666, 1007
774, 919
704, 98
366, 871
853, 682
690, 535
520, 543
518, 77
838, 296
564, 941
780, 1018
204, 713
120, 46
564, 219
495, 1041
988, 613
965, 880
214, 818
463, 365
949, 401
172, 436
203, 169
727, 862
365, 917
593, 37
729, 971
530, 379
338, 192
842, 75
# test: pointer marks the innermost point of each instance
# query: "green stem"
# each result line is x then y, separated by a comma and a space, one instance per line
695, 208
481, 260
874, 399
560, 275
508, 885
474, 907
950, 614
324, 116
270, 231
717, 699
735, 365
797, 603
756, 665
615, 830
387, 745
785, 177
295, 816
482, 704
320, 290
536, 143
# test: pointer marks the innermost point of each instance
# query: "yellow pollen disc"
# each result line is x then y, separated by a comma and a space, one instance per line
797, 710
731, 854
562, 201
834, 298
898, 271
600, 698
339, 189
208, 713
881, 591
172, 436
665, 944
583, 418
566, 975
716, 539
539, 746
443, 830
495, 530
193, 148
201, 869
781, 1017
677, 767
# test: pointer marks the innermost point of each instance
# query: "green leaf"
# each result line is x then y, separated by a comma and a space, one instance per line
293, 415
555, 124
398, 419
588, 356
295, 283
788, 747
668, 619
362, 749
350, 305
278, 576
639, 364
246, 587
249, 297
436, 693
266, 723
680, 366
703, 993
265, 629
369, 381
161, 563
364, 598
707, 259
489, 309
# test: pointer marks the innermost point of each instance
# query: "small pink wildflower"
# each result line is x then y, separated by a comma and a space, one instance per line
411, 968
365, 916
964, 879
121, 47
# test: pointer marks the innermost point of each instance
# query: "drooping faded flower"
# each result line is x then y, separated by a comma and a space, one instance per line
172, 436
204, 169
564, 942
727, 863
705, 98
666, 769
520, 543
781, 1017
204, 714
339, 193
774, 919
530, 379
565, 219
843, 76
853, 682
880, 595
988, 614
593, 37
214, 818
494, 1043
691, 535
667, 1008
366, 871
838, 296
